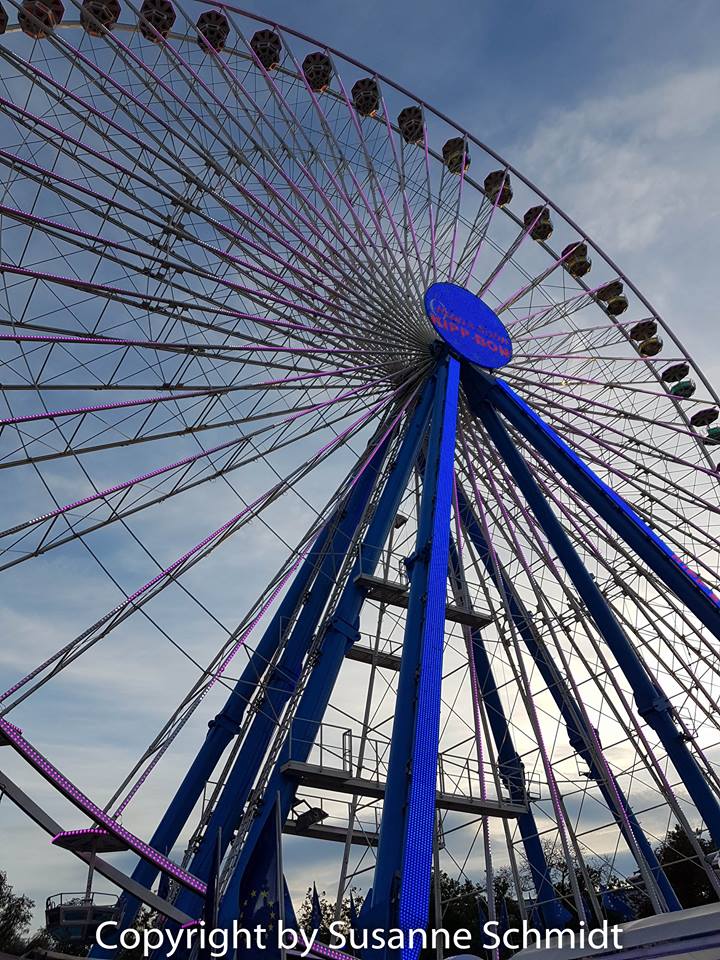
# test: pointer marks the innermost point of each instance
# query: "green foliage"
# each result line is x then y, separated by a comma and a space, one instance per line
327, 911
683, 869
15, 916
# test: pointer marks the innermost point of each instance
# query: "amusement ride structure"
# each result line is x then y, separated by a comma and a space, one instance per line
324, 424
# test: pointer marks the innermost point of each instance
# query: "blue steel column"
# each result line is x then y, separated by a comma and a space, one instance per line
653, 706
280, 685
512, 769
223, 728
578, 734
341, 633
677, 576
401, 888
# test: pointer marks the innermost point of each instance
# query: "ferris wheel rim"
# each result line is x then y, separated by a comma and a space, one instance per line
509, 169
470, 137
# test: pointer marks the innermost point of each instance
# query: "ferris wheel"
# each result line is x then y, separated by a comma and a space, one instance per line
322, 423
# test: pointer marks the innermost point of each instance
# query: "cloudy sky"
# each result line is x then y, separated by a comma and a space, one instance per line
611, 108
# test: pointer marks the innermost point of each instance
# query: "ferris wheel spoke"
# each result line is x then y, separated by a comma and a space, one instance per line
535, 282
191, 459
681, 492
285, 327
671, 671
419, 282
337, 181
531, 325
565, 832
294, 126
63, 91
625, 586
669, 457
584, 544
134, 601
70, 450
509, 254
90, 242
214, 672
594, 674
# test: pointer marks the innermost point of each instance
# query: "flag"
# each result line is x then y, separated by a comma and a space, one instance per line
316, 917
556, 913
617, 906
503, 917
535, 920
259, 894
354, 921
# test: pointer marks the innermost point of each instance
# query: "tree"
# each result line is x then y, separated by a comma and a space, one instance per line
460, 911
683, 868
15, 916
327, 912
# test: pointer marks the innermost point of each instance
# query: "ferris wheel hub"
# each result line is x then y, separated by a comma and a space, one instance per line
468, 325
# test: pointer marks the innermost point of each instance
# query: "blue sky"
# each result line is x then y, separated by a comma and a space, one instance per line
611, 108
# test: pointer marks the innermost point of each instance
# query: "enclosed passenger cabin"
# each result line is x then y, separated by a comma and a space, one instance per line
456, 155
712, 436
704, 417
675, 372
537, 220
317, 69
38, 17
576, 260
613, 297
156, 15
97, 16
643, 330
366, 97
411, 126
214, 27
684, 389
498, 188
650, 347
267, 47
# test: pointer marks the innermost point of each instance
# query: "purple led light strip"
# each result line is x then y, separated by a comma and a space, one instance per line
484, 233
548, 308
176, 347
527, 384
537, 280
161, 83
507, 256
86, 832
531, 707
120, 405
163, 574
108, 491
213, 680
101, 816
69, 790
225, 256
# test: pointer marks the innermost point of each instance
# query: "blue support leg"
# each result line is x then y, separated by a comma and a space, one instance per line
222, 729
512, 769
280, 684
579, 736
653, 706
677, 576
401, 888
343, 630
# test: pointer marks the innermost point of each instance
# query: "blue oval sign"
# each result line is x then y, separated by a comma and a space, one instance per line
468, 325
